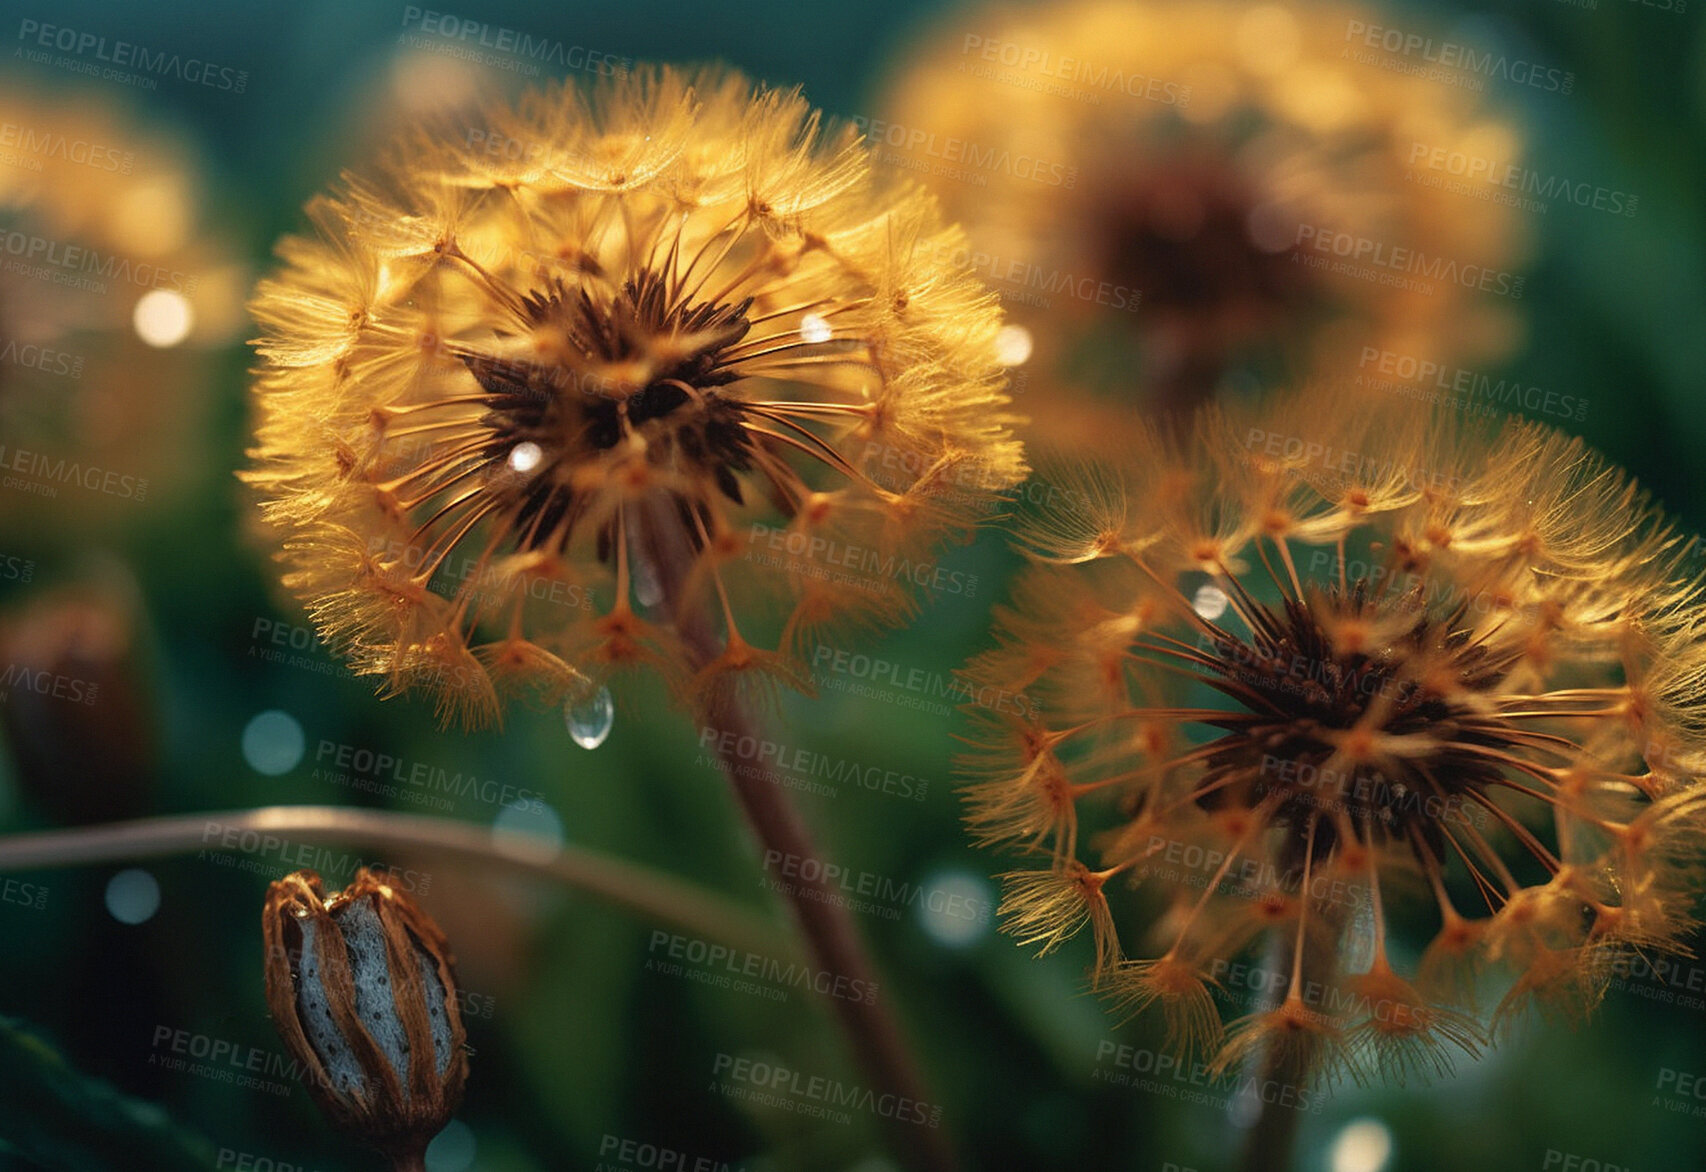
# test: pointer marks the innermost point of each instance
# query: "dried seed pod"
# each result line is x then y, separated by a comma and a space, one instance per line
363, 990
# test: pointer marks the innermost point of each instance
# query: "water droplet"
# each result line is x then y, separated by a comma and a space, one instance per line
1361, 936
814, 328
525, 456
1210, 601
648, 591
1245, 1107
589, 720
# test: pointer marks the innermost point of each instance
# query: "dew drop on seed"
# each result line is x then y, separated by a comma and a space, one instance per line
1210, 601
648, 591
815, 329
525, 456
589, 720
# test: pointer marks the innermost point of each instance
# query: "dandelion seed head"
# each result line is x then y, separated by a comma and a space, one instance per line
1197, 176
1423, 687
514, 395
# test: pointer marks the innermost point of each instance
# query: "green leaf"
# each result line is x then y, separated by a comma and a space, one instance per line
58, 1117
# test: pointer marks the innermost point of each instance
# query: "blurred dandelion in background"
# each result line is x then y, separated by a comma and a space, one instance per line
117, 295
1457, 666
1208, 194
82, 732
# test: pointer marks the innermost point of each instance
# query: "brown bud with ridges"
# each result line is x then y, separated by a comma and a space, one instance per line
362, 988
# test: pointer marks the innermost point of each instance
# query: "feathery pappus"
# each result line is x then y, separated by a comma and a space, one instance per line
520, 409
1315, 672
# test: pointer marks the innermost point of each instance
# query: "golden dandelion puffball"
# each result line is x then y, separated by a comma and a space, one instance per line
1297, 666
521, 409
116, 299
1210, 187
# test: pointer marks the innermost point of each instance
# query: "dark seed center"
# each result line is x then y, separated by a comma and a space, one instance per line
1308, 696
1183, 237
681, 411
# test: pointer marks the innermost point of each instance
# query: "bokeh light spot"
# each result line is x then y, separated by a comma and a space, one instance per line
133, 896
955, 911
1364, 1145
273, 743
1268, 40
451, 1150
163, 318
1013, 345
529, 830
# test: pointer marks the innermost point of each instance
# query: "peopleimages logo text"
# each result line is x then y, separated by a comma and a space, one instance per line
78, 258
1502, 173
513, 42
1452, 55
1396, 258
964, 152
52, 144
129, 55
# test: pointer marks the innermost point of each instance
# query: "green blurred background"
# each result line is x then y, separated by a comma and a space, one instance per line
576, 1038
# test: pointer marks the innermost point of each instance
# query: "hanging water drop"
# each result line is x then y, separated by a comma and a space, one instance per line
589, 720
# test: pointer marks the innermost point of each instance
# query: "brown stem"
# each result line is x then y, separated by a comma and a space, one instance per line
831, 936
409, 1162
1270, 1142
834, 942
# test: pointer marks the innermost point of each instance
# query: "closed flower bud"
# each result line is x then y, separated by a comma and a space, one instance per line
362, 988
78, 712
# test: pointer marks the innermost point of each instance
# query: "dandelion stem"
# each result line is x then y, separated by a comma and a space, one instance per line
1271, 1139
646, 892
872, 1033
1269, 1143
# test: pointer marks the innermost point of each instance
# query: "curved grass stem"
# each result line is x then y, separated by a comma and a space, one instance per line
638, 889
